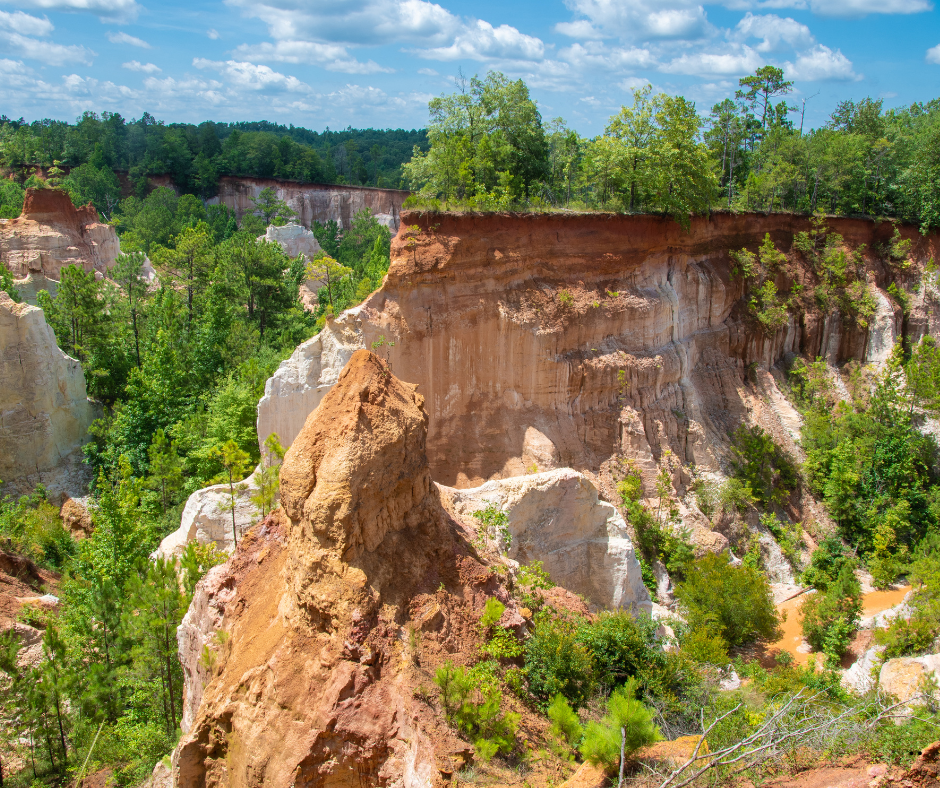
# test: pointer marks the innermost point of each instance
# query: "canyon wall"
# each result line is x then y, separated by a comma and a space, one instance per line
52, 233
606, 334
314, 201
44, 411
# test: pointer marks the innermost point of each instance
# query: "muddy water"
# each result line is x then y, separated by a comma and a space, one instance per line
872, 603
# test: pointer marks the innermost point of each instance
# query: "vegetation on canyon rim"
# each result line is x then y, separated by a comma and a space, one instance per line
181, 365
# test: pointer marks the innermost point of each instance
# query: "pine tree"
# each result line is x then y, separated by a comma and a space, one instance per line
235, 463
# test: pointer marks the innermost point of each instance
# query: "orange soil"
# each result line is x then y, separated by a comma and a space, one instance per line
874, 602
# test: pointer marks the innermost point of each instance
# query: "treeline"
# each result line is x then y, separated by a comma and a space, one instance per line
195, 156
491, 150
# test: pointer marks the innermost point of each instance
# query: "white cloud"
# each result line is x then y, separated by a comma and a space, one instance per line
821, 63
250, 76
112, 10
46, 51
481, 41
25, 24
428, 72
637, 19
124, 38
213, 33
777, 33
633, 83
848, 9
594, 54
933, 55
332, 57
146, 68
743, 60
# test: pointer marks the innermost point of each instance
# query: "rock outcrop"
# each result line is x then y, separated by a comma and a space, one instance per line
314, 202
313, 683
903, 677
294, 239
207, 520
44, 409
606, 334
557, 518
51, 233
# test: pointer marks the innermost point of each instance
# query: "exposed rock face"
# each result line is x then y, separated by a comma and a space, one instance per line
76, 518
556, 517
44, 410
314, 202
51, 233
205, 521
902, 677
310, 686
605, 334
294, 239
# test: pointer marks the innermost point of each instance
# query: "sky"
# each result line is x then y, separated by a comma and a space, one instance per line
376, 63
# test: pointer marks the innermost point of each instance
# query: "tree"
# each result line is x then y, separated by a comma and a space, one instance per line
627, 726
6, 284
235, 463
831, 617
269, 207
128, 273
761, 86
75, 312
635, 128
189, 262
269, 475
166, 469
327, 271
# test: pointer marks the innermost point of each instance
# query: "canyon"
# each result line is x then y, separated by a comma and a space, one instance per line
604, 335
313, 202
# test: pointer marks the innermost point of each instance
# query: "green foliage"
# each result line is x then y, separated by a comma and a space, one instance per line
31, 526
702, 644
565, 723
6, 284
918, 633
492, 612
830, 617
788, 535
556, 663
627, 727
531, 579
12, 196
494, 525
732, 601
761, 466
471, 700
770, 310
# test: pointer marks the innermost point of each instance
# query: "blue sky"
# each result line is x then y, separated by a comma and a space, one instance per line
377, 62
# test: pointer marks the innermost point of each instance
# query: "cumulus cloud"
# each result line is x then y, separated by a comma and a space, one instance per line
124, 38
844, 9
637, 19
821, 63
479, 40
213, 33
26, 25
428, 72
332, 57
776, 33
112, 10
594, 54
46, 51
933, 55
146, 68
250, 76
743, 60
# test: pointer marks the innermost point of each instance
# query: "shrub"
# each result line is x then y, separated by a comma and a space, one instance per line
734, 601
918, 634
627, 726
494, 525
762, 466
34, 529
831, 617
565, 723
556, 663
531, 579
825, 563
704, 645
565, 298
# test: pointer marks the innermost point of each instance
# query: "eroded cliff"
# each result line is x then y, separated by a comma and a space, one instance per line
603, 334
51, 233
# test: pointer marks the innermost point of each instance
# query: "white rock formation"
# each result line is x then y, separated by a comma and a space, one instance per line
557, 518
903, 677
44, 409
301, 382
205, 521
861, 678
883, 328
293, 238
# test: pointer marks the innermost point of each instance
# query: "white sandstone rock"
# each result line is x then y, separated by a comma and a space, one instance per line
557, 518
44, 409
883, 328
301, 382
860, 678
205, 521
293, 238
904, 677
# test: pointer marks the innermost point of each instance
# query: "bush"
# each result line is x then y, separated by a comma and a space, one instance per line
627, 726
556, 663
32, 527
705, 646
762, 466
919, 633
831, 617
825, 563
565, 723
732, 601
